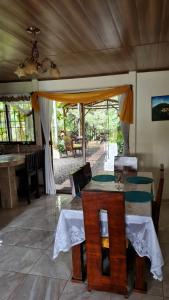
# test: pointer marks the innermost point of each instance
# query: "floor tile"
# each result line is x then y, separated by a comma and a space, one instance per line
165, 251
137, 296
7, 215
154, 287
8, 282
163, 234
166, 281
37, 218
38, 288
11, 235
58, 268
40, 239
76, 291
18, 259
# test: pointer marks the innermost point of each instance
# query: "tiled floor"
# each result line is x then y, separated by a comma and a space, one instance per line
27, 270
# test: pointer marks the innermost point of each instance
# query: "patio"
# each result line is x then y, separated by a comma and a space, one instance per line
100, 156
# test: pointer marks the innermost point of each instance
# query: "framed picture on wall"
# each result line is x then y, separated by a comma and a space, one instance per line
160, 108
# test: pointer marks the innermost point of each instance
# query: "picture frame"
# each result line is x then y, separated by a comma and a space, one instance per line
160, 108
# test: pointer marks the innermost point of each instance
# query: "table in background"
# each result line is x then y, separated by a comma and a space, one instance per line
8, 186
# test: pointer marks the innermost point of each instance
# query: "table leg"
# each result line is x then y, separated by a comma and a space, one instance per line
78, 273
140, 284
8, 187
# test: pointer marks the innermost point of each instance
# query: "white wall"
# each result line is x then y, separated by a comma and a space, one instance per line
79, 84
149, 139
152, 142
70, 85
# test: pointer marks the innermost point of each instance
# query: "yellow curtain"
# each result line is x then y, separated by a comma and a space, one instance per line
126, 114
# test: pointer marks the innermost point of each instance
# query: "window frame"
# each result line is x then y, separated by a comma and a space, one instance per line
9, 131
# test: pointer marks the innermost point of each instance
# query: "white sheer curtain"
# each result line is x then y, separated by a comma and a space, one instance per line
125, 128
46, 109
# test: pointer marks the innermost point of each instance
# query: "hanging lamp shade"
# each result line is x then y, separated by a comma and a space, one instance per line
33, 66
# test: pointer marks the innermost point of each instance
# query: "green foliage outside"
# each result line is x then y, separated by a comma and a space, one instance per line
119, 140
99, 124
60, 146
21, 128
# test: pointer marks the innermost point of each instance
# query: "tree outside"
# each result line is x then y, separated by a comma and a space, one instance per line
101, 124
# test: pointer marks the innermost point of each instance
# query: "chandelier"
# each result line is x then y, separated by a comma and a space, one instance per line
32, 66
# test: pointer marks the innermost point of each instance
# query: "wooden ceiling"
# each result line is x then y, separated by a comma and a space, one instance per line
86, 37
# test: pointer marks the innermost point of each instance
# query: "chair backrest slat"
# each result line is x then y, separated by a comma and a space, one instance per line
157, 202
30, 162
87, 172
80, 178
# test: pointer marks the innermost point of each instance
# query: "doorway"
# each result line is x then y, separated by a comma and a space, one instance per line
103, 139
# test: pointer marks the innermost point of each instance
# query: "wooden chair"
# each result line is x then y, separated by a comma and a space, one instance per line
87, 172
114, 204
40, 159
68, 144
28, 178
78, 181
157, 203
76, 147
80, 178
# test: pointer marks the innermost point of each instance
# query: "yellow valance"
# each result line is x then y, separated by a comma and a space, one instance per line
126, 114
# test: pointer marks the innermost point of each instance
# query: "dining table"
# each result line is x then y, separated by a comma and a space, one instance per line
140, 229
8, 185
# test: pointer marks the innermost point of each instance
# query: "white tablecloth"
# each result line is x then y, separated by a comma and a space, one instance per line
139, 230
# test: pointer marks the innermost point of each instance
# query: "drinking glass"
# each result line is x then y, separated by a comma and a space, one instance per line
118, 179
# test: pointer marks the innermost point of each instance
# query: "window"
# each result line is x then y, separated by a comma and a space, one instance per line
16, 122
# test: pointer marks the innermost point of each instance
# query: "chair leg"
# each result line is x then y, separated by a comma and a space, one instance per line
37, 186
44, 182
27, 190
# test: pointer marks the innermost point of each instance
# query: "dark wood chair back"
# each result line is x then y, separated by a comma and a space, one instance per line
157, 203
87, 172
78, 181
31, 162
114, 204
28, 177
40, 160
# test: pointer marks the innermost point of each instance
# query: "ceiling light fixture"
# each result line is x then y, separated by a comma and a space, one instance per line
32, 66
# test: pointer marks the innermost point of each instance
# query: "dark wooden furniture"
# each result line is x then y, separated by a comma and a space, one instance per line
28, 178
77, 251
87, 172
78, 181
157, 203
8, 186
113, 203
78, 263
40, 159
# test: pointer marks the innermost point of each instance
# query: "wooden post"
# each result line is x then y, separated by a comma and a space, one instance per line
83, 133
